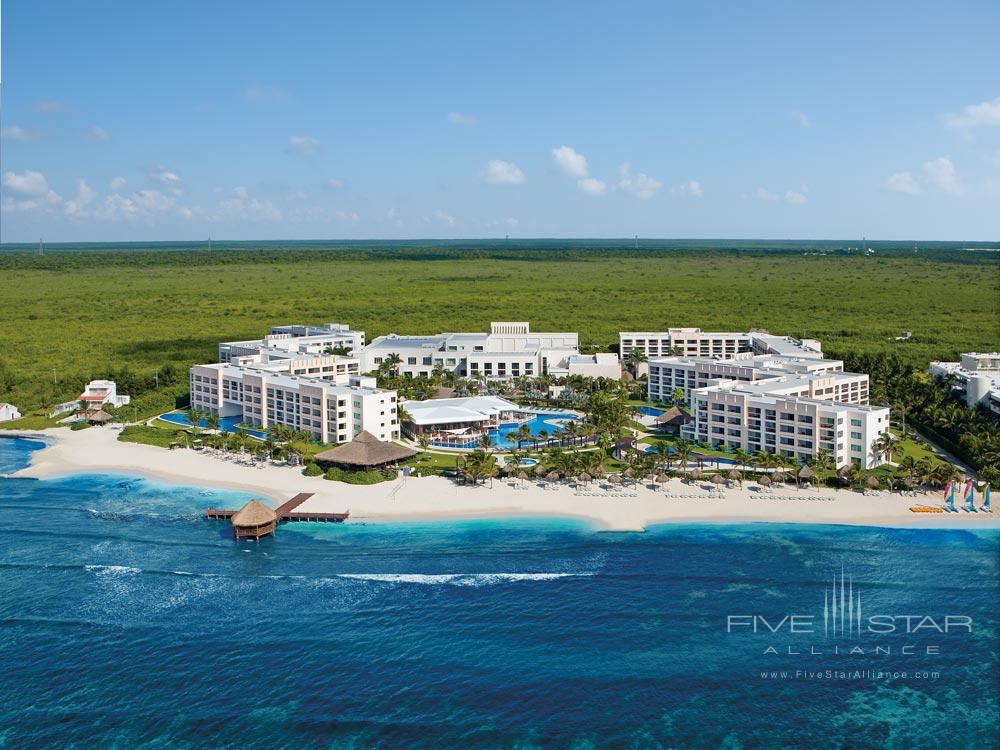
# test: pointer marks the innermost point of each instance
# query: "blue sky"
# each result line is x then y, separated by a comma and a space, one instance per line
160, 121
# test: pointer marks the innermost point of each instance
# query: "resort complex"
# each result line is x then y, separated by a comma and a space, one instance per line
509, 350
693, 342
975, 376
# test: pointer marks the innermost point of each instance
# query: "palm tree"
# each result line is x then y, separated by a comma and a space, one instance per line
423, 441
677, 395
663, 454
741, 457
194, 417
543, 436
390, 365
486, 441
212, 421
887, 446
682, 450
822, 461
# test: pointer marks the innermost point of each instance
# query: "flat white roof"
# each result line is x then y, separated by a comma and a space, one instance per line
447, 410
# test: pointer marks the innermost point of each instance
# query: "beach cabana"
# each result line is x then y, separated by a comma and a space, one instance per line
364, 452
806, 474
764, 480
253, 521
872, 482
623, 446
717, 479
97, 416
662, 479
735, 476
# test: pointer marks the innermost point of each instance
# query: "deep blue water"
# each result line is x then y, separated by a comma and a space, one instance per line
127, 621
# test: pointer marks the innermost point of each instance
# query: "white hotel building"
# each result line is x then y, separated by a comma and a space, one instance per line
791, 405
694, 342
975, 376
286, 379
509, 350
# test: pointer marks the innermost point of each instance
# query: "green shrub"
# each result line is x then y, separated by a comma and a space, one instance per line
312, 470
79, 426
359, 477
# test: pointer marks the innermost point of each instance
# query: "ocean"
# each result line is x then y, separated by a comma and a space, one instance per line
128, 621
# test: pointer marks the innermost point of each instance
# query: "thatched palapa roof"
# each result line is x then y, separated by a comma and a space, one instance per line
97, 415
673, 415
365, 450
254, 513
806, 472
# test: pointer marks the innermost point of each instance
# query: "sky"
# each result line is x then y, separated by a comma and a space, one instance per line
136, 121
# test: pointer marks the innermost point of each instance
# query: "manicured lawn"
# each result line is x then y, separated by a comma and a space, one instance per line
148, 435
31, 422
914, 448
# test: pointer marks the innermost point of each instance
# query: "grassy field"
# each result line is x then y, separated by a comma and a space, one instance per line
67, 318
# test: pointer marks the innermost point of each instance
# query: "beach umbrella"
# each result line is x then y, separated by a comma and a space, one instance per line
695, 474
735, 476
662, 478
717, 479
539, 471
629, 473
778, 476
908, 481
764, 480
522, 476
552, 476
614, 479
806, 472
584, 477
872, 481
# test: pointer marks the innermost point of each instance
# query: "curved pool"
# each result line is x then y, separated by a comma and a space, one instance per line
226, 424
548, 422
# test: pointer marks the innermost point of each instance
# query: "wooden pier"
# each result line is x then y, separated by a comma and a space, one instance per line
285, 512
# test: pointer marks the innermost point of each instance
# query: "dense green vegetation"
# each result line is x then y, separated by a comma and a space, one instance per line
144, 317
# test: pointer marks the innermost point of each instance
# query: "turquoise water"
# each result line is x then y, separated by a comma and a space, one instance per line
128, 621
649, 411
226, 424
549, 421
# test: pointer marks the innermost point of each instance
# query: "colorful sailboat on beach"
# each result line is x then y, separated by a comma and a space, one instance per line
986, 500
970, 496
949, 498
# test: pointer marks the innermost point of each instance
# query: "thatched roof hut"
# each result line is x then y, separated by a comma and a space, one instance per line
695, 474
364, 452
764, 480
552, 476
614, 479
254, 520
735, 475
806, 472
97, 416
872, 481
662, 478
522, 476
540, 471
717, 479
584, 477
673, 419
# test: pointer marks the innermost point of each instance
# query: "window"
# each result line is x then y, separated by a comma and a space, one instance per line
855, 423
856, 435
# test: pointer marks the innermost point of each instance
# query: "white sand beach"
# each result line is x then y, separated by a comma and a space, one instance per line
629, 508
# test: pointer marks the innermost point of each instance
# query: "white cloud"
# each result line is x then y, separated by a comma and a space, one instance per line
984, 114
511, 221
442, 217
592, 186
304, 144
243, 206
96, 133
764, 194
802, 119
267, 95
164, 176
795, 197
940, 172
500, 172
117, 183
347, 217
335, 184
570, 162
902, 182
84, 197
691, 187
29, 183
16, 133
458, 118
640, 185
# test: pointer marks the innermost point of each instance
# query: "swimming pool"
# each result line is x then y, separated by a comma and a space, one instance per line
694, 457
650, 411
547, 421
226, 424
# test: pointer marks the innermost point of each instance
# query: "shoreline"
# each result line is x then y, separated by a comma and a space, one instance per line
428, 499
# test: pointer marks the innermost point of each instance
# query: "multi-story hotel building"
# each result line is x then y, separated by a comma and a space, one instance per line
509, 350
792, 405
287, 378
732, 414
694, 342
295, 340
975, 376
332, 412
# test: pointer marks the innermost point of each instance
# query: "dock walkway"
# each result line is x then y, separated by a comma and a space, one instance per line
286, 512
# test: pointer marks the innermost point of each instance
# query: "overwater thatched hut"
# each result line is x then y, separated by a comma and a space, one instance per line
254, 520
364, 452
